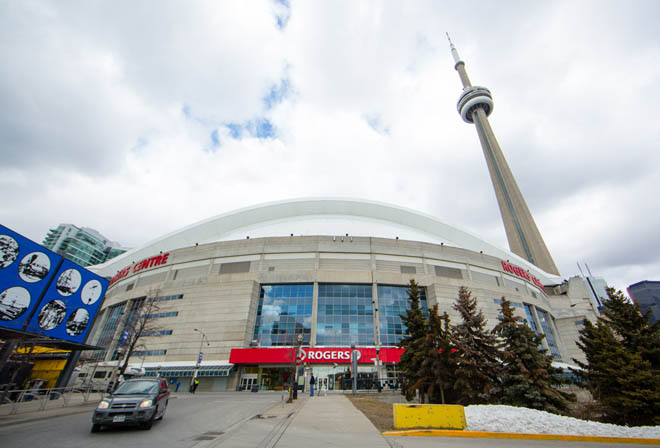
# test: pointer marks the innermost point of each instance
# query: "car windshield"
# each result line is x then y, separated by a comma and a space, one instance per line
137, 387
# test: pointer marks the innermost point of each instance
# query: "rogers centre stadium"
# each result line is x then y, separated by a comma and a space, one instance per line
241, 293
243, 289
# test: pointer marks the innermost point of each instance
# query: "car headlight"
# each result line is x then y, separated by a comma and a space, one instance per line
146, 403
103, 405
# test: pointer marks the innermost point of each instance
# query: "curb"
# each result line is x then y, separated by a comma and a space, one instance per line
514, 435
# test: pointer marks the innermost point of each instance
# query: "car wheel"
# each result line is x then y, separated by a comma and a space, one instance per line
149, 423
96, 427
162, 414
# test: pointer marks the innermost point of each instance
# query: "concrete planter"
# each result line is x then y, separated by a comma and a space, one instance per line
437, 416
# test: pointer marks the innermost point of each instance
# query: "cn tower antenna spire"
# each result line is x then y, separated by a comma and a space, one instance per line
459, 65
454, 53
475, 106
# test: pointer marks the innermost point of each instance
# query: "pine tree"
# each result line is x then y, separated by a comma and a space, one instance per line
438, 361
621, 369
413, 343
528, 379
479, 366
633, 327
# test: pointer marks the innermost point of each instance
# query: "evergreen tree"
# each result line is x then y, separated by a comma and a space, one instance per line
528, 379
413, 342
438, 361
633, 327
479, 366
621, 369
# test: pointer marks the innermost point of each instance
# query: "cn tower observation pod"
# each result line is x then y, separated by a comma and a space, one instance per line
337, 217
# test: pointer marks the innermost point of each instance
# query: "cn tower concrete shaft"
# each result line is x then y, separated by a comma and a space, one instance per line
475, 105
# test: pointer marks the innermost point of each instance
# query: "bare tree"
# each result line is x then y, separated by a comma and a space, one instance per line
139, 321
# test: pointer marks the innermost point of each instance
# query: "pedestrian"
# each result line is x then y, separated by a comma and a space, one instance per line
195, 385
312, 382
178, 384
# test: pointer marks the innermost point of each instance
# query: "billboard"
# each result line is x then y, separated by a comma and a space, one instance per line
44, 294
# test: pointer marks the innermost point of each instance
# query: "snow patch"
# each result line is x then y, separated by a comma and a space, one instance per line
499, 418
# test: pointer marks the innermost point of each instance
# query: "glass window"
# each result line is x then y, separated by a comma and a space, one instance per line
108, 331
139, 353
284, 311
345, 315
134, 307
544, 317
393, 302
530, 318
166, 298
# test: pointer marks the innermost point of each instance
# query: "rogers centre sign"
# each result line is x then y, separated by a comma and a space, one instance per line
142, 264
327, 354
520, 272
309, 355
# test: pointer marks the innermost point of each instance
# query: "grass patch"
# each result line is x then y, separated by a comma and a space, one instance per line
378, 412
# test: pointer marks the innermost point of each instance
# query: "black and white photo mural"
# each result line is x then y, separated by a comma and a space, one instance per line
8, 250
14, 302
44, 294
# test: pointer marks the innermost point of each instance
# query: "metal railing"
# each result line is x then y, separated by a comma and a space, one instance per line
14, 401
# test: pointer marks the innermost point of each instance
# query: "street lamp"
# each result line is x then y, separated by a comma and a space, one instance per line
200, 356
293, 390
378, 384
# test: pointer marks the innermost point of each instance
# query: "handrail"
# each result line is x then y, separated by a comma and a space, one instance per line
13, 401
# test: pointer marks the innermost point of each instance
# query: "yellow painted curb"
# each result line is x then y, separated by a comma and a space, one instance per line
515, 435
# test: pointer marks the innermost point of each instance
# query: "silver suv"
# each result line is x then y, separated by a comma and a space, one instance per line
135, 402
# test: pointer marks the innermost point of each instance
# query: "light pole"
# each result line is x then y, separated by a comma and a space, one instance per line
334, 376
293, 391
354, 366
199, 357
378, 385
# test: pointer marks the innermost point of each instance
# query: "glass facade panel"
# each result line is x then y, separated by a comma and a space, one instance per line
393, 301
544, 317
345, 315
284, 312
108, 331
135, 306
530, 318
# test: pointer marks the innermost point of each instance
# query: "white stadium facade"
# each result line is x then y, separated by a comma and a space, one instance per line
242, 290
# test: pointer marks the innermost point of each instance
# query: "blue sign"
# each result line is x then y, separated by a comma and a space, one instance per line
199, 359
44, 294
26, 268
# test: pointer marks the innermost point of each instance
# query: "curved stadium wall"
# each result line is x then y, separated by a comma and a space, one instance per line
260, 293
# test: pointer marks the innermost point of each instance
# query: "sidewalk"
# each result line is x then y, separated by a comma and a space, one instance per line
331, 421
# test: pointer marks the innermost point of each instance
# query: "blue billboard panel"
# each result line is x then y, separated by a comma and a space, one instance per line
26, 268
69, 304
44, 294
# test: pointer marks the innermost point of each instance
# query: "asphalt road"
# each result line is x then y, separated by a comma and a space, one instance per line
190, 421
243, 419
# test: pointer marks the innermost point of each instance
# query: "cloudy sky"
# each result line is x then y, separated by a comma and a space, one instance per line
139, 118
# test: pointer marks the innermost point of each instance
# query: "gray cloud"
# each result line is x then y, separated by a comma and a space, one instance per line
140, 118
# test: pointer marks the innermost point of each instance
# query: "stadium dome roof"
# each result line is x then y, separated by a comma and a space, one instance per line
313, 217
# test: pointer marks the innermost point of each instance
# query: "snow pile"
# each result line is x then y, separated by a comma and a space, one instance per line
499, 418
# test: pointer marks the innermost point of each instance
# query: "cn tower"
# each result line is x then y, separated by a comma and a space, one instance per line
475, 105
